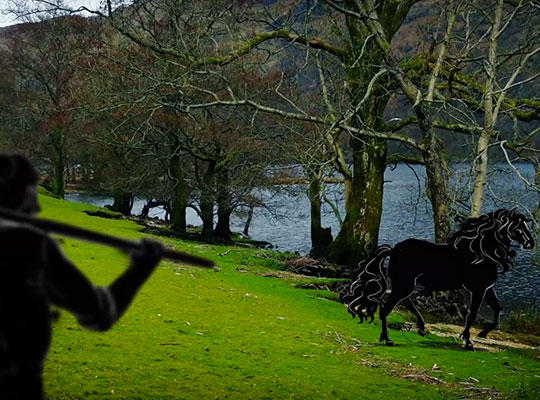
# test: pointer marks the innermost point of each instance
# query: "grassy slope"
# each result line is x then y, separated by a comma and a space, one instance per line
234, 334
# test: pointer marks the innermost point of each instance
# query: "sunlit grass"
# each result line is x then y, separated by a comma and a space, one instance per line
241, 333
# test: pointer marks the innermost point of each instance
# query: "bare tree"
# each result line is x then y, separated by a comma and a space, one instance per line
204, 45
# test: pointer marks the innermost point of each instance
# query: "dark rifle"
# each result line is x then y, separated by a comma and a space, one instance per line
101, 238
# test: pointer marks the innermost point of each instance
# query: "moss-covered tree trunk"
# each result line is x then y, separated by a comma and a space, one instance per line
58, 185
438, 180
207, 202
179, 197
383, 25
364, 194
438, 193
360, 229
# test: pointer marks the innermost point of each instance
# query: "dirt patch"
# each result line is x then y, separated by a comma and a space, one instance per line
495, 342
282, 274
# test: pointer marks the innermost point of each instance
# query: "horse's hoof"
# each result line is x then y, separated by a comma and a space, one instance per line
469, 346
421, 332
483, 334
390, 343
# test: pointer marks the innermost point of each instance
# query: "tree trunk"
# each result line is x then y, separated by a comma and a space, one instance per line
123, 202
481, 173
348, 185
321, 238
536, 166
438, 193
438, 181
360, 230
248, 221
490, 116
178, 195
207, 202
364, 194
146, 209
223, 227
58, 179
151, 203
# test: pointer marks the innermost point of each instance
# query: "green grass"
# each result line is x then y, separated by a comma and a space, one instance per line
527, 322
246, 332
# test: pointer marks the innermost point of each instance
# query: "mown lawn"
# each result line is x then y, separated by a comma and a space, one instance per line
234, 333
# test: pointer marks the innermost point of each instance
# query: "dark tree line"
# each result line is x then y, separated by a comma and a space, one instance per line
190, 104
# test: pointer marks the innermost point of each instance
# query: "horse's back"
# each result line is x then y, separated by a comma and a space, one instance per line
423, 250
434, 266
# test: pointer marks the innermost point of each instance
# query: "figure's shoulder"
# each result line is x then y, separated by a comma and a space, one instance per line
20, 233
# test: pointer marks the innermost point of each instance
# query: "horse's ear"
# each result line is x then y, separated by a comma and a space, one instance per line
501, 213
515, 212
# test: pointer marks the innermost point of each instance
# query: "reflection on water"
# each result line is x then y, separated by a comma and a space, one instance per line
406, 213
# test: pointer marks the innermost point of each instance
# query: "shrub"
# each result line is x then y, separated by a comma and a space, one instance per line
527, 321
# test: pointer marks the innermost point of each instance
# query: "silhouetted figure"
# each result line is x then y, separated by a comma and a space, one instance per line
35, 274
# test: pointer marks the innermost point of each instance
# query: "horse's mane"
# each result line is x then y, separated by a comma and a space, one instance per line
487, 238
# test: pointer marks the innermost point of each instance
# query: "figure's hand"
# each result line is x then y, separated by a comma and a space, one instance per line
148, 256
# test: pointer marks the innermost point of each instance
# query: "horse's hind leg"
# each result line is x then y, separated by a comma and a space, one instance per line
491, 299
477, 298
420, 324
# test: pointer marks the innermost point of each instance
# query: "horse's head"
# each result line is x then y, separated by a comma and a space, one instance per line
517, 229
488, 237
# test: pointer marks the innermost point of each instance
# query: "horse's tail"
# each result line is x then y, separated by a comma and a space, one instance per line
364, 294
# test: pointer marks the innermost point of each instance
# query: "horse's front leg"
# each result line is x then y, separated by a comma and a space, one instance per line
395, 297
385, 310
477, 297
492, 301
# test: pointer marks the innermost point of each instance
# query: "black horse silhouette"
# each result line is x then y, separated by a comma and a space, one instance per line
472, 260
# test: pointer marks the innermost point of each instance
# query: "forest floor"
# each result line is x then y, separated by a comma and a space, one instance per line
247, 331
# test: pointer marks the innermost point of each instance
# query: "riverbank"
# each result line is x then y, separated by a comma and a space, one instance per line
406, 214
247, 331
157, 227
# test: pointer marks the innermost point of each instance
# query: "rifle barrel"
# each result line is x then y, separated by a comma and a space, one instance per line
97, 237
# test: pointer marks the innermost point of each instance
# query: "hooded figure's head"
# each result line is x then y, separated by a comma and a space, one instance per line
18, 184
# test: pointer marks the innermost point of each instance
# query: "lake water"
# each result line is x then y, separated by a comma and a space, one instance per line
406, 213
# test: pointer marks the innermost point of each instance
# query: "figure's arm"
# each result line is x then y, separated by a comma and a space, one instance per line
96, 308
